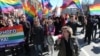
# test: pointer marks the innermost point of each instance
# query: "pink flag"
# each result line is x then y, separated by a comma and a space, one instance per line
66, 3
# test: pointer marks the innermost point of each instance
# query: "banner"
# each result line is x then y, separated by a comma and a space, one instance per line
94, 9
11, 36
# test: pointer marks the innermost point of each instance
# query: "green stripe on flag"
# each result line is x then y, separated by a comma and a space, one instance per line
16, 37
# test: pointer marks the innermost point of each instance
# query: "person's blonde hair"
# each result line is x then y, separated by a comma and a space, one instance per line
69, 29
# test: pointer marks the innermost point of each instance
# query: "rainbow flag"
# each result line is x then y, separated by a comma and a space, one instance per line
40, 11
94, 9
45, 11
66, 3
30, 11
49, 6
5, 8
12, 38
77, 2
15, 3
44, 3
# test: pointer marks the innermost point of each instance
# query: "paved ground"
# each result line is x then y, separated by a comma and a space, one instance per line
89, 50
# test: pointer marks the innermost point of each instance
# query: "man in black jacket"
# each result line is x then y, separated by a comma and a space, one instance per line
99, 25
95, 22
38, 37
74, 24
27, 29
58, 25
89, 30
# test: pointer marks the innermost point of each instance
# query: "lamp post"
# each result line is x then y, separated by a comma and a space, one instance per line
87, 6
85, 3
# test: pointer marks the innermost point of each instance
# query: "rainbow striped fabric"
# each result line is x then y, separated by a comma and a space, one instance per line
5, 8
77, 2
44, 3
13, 35
30, 11
15, 3
66, 3
94, 9
45, 11
40, 11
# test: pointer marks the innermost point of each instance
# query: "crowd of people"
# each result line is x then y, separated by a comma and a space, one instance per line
40, 32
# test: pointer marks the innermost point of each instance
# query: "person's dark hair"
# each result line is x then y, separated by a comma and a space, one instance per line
56, 17
9, 19
88, 16
1, 16
21, 16
71, 16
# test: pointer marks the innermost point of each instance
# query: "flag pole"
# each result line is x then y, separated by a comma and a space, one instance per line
42, 5
82, 9
55, 7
